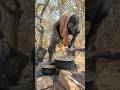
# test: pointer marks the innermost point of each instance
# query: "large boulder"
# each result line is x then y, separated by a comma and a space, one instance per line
67, 83
44, 83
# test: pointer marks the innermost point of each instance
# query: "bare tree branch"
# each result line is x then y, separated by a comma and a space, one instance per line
42, 12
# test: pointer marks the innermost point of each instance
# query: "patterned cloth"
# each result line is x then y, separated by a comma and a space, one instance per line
64, 29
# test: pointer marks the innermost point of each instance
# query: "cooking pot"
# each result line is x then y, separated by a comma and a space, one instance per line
64, 63
48, 69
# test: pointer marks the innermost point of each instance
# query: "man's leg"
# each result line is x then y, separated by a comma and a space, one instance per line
51, 50
54, 41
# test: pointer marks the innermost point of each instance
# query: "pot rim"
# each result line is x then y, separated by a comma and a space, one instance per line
49, 66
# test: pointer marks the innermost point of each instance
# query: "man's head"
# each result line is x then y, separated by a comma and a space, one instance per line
73, 24
73, 29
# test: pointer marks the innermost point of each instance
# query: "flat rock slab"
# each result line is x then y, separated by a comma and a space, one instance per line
44, 83
67, 82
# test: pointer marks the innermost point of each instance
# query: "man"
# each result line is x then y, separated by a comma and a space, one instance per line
67, 25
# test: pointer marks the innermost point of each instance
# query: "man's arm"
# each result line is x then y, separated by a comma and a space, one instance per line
74, 38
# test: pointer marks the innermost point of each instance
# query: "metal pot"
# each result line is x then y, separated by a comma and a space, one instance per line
64, 63
48, 69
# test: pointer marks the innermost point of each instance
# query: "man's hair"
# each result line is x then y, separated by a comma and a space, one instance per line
1, 34
74, 19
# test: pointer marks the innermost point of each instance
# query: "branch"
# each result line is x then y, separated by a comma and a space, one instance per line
69, 4
42, 12
41, 31
45, 6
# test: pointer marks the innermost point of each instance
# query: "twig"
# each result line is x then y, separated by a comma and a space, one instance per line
76, 82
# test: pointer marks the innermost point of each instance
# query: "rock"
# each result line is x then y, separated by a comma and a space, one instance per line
67, 82
44, 83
